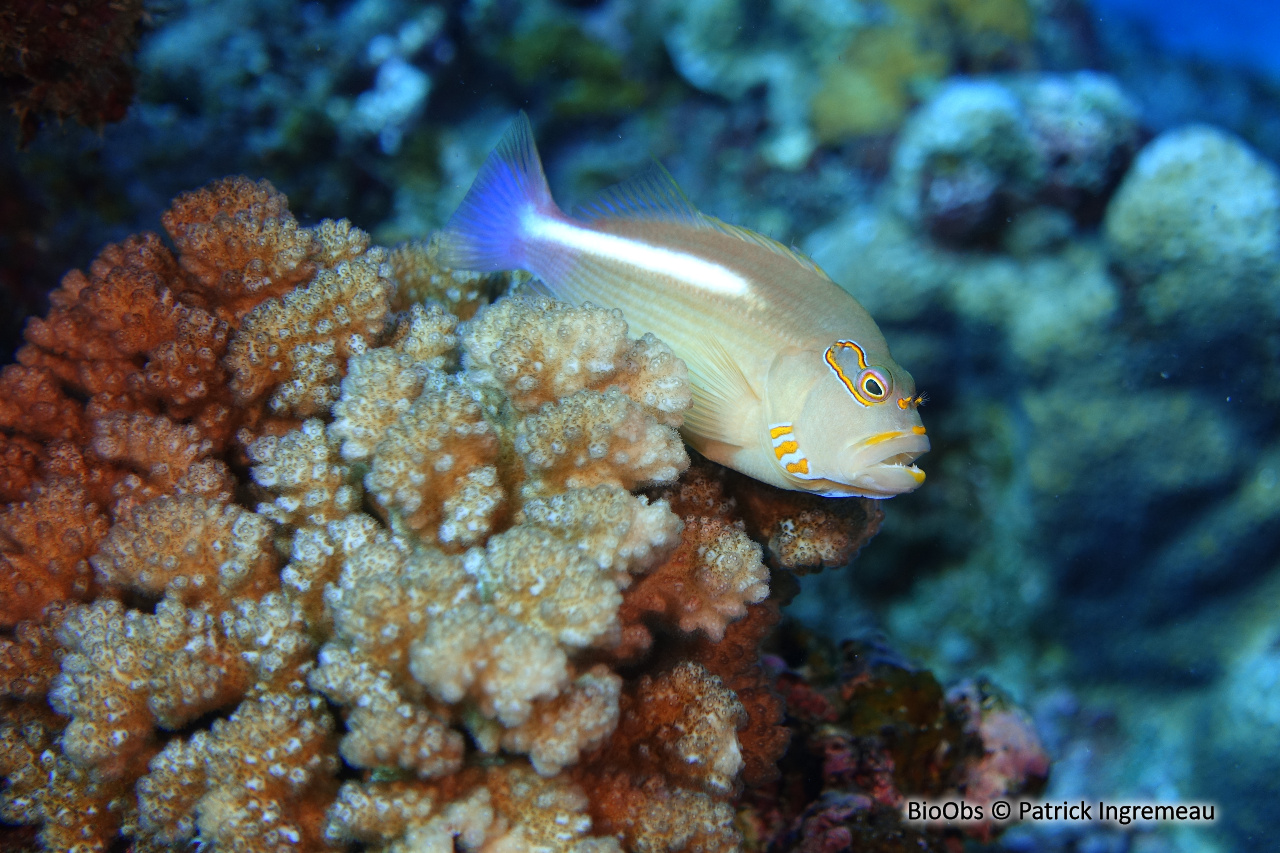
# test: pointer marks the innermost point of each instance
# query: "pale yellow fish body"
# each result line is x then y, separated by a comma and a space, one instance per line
793, 382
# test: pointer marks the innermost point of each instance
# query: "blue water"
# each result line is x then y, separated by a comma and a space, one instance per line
1237, 32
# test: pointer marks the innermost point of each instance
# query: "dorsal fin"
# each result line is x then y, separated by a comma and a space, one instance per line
654, 195
749, 236
650, 194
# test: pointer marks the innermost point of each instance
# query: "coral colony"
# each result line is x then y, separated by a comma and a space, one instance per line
306, 548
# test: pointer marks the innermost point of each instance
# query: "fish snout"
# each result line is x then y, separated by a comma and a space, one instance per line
883, 465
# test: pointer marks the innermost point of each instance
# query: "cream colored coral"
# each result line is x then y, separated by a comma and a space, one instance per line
270, 772
507, 809
372, 812
378, 389
729, 574
382, 383
699, 742
488, 626
271, 637
193, 548
79, 809
680, 819
475, 652
433, 473
654, 377
256, 781
419, 278
612, 528
388, 593
413, 819
427, 334
306, 475
384, 600
538, 351
540, 814
594, 438
296, 347
176, 780
536, 578
127, 672
576, 721
317, 555
385, 729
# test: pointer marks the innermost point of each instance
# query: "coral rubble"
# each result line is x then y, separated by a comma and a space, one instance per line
294, 561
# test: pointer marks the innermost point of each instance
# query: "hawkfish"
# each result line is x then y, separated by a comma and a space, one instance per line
792, 380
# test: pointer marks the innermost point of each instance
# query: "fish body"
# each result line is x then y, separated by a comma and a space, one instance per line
793, 383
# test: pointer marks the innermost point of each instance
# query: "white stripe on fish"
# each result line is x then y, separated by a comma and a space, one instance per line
683, 267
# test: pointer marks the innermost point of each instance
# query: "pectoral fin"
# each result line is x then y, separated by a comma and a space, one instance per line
723, 397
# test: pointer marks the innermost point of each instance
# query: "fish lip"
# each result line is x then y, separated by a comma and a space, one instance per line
902, 449
887, 467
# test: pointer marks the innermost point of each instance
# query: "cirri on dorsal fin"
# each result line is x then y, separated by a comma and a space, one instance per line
653, 195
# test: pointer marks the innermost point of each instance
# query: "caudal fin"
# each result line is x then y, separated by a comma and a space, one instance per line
484, 233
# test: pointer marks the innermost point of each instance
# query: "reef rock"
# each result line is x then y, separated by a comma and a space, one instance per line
1195, 227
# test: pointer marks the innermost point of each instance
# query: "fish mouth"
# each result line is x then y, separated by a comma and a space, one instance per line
884, 465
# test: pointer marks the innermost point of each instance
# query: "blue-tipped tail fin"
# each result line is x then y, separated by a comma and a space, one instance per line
484, 233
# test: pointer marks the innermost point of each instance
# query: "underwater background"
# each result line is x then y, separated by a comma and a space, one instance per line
1065, 217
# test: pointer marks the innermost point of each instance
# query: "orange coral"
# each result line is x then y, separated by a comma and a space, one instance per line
803, 532
45, 544
709, 579
240, 244
672, 764
197, 550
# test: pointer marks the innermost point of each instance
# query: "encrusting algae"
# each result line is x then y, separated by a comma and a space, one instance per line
294, 561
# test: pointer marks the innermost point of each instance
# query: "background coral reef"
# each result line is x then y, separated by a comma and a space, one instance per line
1068, 232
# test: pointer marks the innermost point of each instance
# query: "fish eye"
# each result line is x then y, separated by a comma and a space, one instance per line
873, 384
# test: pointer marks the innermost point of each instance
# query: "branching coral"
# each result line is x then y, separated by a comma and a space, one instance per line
432, 615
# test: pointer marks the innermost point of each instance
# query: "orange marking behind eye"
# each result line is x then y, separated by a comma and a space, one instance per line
786, 447
862, 356
801, 467
830, 357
